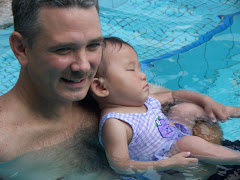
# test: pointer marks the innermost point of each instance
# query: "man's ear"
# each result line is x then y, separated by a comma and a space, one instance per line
18, 46
98, 87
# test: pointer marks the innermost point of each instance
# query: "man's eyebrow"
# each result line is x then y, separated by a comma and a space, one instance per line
63, 45
99, 39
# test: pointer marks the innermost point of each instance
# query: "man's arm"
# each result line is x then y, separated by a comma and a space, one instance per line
212, 108
156, 88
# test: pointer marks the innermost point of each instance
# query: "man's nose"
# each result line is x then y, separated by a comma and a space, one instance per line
80, 61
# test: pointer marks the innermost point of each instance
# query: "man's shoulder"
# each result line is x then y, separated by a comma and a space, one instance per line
7, 105
6, 128
3, 106
10, 111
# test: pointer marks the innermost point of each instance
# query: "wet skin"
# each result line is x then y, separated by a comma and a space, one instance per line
39, 111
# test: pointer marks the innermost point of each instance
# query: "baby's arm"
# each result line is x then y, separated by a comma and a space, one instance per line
115, 135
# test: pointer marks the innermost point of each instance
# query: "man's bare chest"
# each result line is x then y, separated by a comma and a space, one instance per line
18, 138
80, 153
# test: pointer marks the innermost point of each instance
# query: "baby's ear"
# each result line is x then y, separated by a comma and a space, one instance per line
98, 87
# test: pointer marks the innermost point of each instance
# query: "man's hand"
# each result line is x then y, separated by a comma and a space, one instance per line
215, 110
182, 162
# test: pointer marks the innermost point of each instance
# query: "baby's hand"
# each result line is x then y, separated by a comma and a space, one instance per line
181, 162
215, 111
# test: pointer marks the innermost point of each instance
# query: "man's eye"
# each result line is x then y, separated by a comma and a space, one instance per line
94, 46
63, 51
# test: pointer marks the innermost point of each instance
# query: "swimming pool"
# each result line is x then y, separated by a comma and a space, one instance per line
175, 37
181, 45
192, 45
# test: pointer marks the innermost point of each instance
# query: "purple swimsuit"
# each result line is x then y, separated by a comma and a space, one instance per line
153, 133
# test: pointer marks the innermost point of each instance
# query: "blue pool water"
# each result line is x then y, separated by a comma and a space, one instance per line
191, 45
181, 45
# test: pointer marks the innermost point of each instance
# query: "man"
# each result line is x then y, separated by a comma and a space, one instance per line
58, 45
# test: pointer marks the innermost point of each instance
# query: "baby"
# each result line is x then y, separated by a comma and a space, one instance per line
135, 133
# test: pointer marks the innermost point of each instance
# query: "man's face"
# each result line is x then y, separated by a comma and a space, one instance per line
66, 52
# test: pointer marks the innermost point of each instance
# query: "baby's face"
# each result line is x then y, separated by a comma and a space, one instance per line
124, 80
